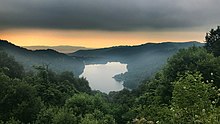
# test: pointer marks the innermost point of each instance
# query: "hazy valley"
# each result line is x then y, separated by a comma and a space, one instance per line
143, 61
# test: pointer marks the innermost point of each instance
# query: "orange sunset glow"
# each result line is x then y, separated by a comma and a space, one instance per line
94, 39
98, 23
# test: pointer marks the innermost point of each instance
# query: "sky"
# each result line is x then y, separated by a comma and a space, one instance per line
104, 23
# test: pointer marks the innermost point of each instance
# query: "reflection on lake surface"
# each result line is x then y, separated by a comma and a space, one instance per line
100, 76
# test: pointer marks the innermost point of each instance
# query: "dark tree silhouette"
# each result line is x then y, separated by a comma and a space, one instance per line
212, 40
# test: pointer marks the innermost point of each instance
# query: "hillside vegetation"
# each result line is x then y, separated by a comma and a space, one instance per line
143, 60
185, 91
57, 61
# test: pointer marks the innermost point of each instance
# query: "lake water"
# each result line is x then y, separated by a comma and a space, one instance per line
100, 76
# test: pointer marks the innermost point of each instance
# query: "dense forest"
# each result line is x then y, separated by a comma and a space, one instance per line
185, 91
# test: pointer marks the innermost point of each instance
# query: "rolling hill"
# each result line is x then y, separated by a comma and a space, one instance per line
143, 60
61, 49
56, 61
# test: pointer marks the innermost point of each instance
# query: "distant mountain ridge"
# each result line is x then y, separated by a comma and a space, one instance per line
61, 49
120, 50
56, 61
143, 60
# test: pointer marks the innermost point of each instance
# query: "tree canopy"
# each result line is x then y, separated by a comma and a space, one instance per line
212, 40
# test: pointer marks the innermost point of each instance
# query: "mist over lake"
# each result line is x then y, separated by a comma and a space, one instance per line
100, 76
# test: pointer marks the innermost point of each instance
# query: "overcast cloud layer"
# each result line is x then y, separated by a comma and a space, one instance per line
118, 15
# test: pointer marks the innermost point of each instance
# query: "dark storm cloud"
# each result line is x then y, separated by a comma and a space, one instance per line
108, 14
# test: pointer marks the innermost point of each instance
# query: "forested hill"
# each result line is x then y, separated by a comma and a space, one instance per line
56, 61
127, 51
61, 49
143, 60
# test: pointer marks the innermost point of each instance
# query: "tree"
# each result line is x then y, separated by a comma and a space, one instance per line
10, 67
212, 40
194, 101
45, 116
11, 121
192, 59
64, 116
97, 117
18, 99
81, 84
83, 104
56, 115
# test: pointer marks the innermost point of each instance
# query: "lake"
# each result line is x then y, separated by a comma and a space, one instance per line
100, 76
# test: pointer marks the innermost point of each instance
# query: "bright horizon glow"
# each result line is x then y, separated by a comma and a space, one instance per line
106, 23
95, 39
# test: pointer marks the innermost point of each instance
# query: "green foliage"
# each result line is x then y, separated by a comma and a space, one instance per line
46, 115
81, 84
212, 40
121, 102
12, 121
122, 97
58, 62
192, 59
162, 100
54, 88
56, 115
18, 100
190, 90
185, 91
193, 100
152, 114
63, 116
97, 117
89, 119
10, 67
83, 103
24, 100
